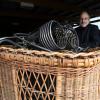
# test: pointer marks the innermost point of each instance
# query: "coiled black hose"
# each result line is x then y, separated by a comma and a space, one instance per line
55, 36
72, 37
52, 36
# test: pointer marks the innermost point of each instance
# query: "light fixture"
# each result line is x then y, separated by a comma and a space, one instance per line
27, 5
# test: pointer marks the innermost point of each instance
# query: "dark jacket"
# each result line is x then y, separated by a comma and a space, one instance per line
88, 36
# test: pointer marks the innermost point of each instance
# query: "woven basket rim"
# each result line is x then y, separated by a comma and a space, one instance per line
54, 59
65, 54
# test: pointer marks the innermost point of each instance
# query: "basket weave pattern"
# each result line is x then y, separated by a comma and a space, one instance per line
35, 75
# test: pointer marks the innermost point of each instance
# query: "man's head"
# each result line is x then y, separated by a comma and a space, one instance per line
84, 19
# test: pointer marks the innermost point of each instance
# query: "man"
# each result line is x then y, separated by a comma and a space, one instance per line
88, 34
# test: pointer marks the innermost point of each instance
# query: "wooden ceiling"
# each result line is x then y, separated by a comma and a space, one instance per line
26, 15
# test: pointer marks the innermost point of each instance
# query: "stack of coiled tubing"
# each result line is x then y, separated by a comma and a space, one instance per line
50, 37
54, 36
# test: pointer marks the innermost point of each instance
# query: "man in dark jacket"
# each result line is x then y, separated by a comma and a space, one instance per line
88, 34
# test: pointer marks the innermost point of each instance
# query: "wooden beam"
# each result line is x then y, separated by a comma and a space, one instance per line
25, 14
30, 15
53, 4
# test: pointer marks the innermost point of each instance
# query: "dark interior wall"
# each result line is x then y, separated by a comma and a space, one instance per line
11, 25
29, 15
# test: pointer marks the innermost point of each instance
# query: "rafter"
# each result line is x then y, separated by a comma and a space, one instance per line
53, 4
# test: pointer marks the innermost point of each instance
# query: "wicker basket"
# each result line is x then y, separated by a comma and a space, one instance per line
35, 75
